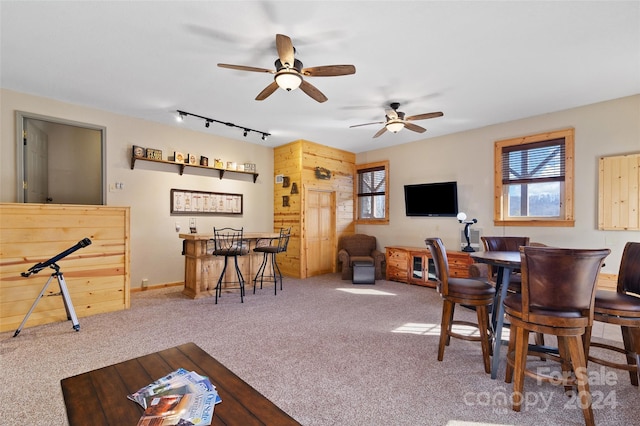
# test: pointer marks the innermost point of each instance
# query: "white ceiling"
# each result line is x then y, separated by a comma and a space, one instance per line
480, 62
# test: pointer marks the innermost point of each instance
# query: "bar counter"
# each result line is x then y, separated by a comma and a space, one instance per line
202, 270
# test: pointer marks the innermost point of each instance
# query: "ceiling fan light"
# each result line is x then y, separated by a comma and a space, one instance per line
288, 80
395, 126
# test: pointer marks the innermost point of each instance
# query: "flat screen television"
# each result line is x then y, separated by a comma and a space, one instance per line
431, 199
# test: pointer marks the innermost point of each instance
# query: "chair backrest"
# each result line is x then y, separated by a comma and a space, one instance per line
629, 274
358, 244
441, 263
283, 240
560, 279
228, 242
504, 243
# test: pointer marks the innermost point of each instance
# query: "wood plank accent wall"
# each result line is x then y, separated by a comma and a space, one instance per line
619, 192
97, 275
298, 160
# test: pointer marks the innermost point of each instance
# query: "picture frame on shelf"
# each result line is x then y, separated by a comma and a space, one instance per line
138, 151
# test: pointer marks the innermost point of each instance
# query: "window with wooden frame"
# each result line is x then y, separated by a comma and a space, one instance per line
372, 197
534, 180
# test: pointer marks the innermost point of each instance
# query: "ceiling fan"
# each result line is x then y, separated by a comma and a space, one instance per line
289, 72
396, 120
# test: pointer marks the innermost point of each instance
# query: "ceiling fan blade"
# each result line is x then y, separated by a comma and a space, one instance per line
424, 116
245, 68
367, 124
381, 131
311, 90
285, 49
267, 91
329, 70
392, 114
414, 127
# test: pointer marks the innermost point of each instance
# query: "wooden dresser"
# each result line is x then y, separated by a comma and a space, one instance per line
413, 265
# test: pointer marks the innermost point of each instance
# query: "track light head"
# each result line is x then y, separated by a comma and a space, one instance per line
207, 123
245, 132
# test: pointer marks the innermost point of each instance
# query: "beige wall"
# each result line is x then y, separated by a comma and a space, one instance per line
155, 246
602, 129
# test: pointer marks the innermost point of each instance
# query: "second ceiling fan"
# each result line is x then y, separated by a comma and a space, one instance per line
289, 72
396, 121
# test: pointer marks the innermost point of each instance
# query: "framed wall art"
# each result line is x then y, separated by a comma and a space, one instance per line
188, 202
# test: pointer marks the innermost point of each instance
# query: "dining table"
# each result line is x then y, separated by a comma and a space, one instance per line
505, 262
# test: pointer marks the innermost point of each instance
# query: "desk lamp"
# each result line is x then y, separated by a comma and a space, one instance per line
462, 218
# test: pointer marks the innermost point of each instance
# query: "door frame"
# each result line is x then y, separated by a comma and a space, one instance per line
20, 177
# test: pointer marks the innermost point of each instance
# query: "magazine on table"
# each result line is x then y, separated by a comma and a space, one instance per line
180, 398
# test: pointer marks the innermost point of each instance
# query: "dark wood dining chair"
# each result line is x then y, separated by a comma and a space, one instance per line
556, 298
461, 291
622, 308
228, 242
270, 247
498, 243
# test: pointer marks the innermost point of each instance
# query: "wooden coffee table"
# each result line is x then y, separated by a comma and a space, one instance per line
99, 397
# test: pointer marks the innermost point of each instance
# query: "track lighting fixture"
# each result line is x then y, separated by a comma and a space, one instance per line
207, 122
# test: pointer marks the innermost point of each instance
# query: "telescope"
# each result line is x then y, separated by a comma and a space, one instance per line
64, 291
40, 266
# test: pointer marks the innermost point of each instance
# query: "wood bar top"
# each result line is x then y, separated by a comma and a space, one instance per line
245, 235
99, 397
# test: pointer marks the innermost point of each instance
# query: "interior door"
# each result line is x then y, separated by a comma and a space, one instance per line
320, 232
36, 154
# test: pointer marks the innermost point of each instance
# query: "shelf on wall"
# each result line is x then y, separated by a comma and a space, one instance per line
182, 167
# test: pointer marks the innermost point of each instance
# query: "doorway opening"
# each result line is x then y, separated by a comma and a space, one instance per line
59, 161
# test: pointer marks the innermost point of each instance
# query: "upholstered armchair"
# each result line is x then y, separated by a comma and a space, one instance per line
360, 248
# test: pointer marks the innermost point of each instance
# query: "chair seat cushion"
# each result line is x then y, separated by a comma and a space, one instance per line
230, 252
361, 259
513, 307
470, 287
611, 301
266, 249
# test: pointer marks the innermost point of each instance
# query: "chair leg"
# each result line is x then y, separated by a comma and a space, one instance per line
483, 326
450, 328
273, 272
260, 272
566, 361
219, 284
520, 363
275, 262
576, 349
445, 327
631, 339
508, 375
240, 278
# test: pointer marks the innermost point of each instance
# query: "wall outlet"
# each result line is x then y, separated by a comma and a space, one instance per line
145, 283
177, 227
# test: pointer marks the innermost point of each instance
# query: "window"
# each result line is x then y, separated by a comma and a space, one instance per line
534, 180
372, 201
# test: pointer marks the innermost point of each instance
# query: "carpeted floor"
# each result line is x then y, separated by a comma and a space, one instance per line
326, 351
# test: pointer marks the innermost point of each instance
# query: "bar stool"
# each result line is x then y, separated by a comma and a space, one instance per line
556, 298
228, 242
465, 291
269, 250
622, 308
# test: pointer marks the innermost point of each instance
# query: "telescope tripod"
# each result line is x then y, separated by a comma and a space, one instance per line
64, 292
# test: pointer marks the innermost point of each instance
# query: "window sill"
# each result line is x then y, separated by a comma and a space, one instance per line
372, 222
536, 222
